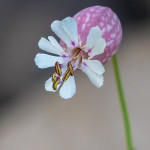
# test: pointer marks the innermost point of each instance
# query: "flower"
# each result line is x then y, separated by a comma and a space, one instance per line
73, 56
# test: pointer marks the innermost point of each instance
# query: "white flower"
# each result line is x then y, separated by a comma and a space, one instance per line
75, 56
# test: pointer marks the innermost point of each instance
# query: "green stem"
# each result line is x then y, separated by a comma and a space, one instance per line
123, 105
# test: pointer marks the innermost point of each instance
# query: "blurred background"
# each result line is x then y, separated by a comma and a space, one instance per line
33, 119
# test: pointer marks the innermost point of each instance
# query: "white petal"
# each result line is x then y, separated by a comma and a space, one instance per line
98, 48
56, 44
68, 88
57, 28
45, 61
93, 36
49, 85
96, 79
47, 46
94, 65
70, 26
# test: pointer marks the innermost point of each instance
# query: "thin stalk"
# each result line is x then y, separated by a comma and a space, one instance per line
127, 127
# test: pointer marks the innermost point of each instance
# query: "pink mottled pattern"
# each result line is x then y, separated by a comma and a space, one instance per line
109, 24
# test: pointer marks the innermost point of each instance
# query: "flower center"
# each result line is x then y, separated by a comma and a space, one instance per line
73, 62
76, 57
78, 54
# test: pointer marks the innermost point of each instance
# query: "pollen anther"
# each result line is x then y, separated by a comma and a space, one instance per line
78, 54
58, 68
66, 75
53, 77
55, 83
70, 68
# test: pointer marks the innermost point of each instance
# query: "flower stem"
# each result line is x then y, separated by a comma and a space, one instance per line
123, 105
